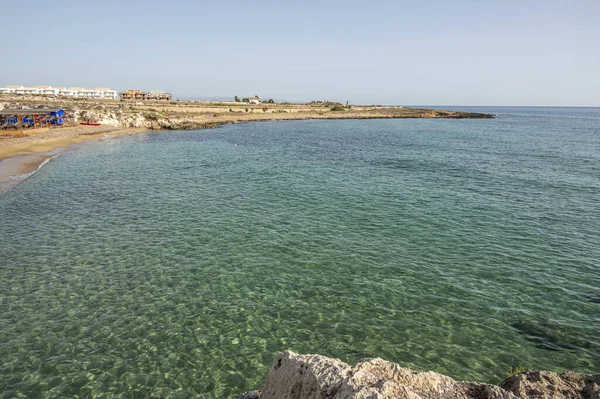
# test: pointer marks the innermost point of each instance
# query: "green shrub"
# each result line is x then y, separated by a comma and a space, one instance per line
151, 116
338, 108
515, 370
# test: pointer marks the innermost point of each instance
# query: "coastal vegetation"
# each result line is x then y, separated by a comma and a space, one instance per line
515, 370
337, 108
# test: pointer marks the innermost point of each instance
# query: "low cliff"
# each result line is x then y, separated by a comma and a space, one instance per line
295, 376
143, 120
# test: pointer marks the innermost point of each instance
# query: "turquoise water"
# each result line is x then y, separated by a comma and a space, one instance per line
177, 264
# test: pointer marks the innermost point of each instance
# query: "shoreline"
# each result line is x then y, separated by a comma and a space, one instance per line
42, 143
61, 137
119, 117
23, 158
18, 168
20, 156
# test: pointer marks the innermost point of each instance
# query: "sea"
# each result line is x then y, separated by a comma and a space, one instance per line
177, 264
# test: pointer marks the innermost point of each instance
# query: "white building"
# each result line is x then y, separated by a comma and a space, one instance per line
105, 92
46, 90
254, 100
7, 90
97, 93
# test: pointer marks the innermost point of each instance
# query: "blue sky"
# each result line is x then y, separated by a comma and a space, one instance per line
379, 52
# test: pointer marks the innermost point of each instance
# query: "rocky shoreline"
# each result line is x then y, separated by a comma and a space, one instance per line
186, 115
295, 376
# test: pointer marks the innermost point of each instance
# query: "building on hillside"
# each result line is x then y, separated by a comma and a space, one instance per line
133, 95
158, 95
47, 90
142, 95
254, 100
98, 93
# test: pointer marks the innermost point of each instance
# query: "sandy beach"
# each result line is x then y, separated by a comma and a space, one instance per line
15, 169
55, 138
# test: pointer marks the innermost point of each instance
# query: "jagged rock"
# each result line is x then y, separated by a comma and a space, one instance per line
295, 376
547, 384
304, 376
145, 121
382, 379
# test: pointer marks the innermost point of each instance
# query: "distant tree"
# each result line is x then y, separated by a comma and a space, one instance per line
236, 99
245, 100
271, 101
257, 97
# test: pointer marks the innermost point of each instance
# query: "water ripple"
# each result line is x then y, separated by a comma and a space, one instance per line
177, 265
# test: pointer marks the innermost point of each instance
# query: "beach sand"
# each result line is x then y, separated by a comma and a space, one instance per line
54, 138
21, 156
15, 169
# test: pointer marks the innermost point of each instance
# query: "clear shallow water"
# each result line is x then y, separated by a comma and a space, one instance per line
178, 264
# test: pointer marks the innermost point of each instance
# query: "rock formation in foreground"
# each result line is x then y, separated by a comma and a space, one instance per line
295, 376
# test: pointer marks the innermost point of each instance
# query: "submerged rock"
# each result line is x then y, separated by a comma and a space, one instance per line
550, 336
593, 298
